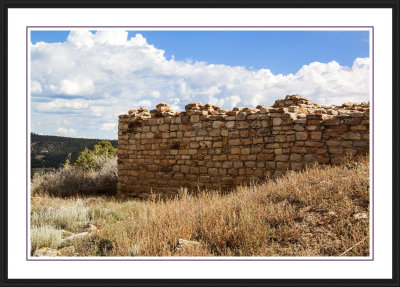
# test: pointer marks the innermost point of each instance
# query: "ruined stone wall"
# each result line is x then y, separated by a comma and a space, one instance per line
207, 147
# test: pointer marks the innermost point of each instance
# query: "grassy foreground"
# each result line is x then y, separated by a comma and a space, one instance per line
322, 211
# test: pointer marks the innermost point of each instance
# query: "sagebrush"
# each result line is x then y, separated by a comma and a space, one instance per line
92, 173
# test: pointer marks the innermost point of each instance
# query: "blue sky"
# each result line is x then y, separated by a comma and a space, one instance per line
90, 76
282, 52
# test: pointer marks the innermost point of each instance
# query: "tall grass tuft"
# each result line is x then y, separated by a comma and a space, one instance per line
45, 236
70, 217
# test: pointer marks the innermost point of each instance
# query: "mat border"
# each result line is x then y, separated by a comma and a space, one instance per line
7, 4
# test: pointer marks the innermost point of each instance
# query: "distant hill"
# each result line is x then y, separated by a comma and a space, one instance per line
52, 151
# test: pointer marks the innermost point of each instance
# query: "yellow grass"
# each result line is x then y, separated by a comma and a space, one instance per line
322, 211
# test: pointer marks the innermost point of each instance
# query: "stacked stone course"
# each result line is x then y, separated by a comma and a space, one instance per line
207, 147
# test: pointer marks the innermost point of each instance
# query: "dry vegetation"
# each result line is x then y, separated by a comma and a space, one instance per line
70, 180
322, 211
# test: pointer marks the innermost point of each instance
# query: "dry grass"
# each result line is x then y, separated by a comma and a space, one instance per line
70, 180
322, 211
71, 216
45, 236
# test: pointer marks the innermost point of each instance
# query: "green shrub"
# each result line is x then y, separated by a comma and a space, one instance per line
86, 159
94, 172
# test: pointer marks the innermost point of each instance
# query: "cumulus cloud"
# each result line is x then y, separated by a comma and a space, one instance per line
66, 132
105, 74
108, 126
36, 88
58, 104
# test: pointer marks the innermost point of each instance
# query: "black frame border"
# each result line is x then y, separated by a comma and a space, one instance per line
4, 157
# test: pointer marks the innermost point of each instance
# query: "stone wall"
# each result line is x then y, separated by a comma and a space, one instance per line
208, 147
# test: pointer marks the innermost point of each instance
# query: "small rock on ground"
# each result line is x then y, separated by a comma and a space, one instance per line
46, 251
67, 251
182, 243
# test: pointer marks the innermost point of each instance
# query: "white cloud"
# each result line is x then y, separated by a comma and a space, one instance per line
57, 105
66, 132
102, 75
76, 87
108, 126
36, 88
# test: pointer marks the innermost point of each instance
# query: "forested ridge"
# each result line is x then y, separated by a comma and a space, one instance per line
52, 151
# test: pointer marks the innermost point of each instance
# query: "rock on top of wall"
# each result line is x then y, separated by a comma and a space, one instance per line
290, 104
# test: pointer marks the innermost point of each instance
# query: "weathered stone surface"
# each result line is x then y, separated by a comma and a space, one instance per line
46, 252
277, 121
67, 251
207, 147
301, 135
185, 244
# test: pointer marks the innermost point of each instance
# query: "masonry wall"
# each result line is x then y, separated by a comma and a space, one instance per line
207, 147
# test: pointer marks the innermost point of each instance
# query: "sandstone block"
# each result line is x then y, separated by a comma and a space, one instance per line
296, 157
298, 149
217, 144
263, 132
205, 178
241, 117
234, 142
214, 133
230, 124
280, 138
301, 135
265, 124
251, 164
360, 144
235, 150
218, 124
341, 128
260, 164
205, 144
152, 168
227, 164
298, 128
324, 159
224, 133
352, 136
245, 150
244, 133
314, 144
332, 143
242, 125
336, 151
228, 180
311, 127
238, 164
358, 128
296, 165
282, 165
291, 138
276, 121
310, 158
316, 135
233, 172
194, 118
282, 157
332, 122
